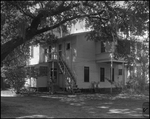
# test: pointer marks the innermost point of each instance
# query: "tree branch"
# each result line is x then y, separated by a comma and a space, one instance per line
65, 20
56, 25
25, 13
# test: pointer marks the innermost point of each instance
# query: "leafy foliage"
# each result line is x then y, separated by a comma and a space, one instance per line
15, 78
18, 57
32, 22
32, 72
25, 21
28, 19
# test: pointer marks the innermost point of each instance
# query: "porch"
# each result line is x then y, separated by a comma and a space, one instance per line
116, 71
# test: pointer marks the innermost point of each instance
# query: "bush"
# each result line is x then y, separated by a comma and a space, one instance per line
15, 78
136, 85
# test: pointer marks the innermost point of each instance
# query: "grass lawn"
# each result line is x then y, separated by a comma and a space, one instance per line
64, 106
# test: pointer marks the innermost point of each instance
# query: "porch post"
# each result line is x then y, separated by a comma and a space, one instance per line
123, 73
52, 76
30, 80
111, 72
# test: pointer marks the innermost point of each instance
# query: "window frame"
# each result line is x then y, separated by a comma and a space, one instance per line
60, 47
102, 77
68, 44
43, 73
86, 74
113, 75
120, 72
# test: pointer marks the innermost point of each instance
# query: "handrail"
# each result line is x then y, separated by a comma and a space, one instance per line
109, 80
112, 82
61, 60
66, 68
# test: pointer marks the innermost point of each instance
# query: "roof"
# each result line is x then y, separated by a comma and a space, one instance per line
71, 35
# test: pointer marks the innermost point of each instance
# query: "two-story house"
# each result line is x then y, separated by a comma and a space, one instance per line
74, 61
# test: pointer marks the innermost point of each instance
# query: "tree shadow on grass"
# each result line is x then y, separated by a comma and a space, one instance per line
95, 105
108, 105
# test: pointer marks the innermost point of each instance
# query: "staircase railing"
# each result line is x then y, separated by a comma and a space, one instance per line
112, 82
71, 83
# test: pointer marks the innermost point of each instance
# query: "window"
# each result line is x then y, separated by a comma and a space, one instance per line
43, 71
45, 51
102, 74
113, 77
120, 72
102, 47
32, 71
60, 47
49, 49
68, 46
86, 74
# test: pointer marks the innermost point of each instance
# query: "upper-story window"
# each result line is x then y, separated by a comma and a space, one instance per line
68, 46
49, 49
45, 51
102, 74
86, 74
60, 47
119, 71
102, 47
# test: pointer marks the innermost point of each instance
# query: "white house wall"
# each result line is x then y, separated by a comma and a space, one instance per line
42, 81
42, 55
82, 53
86, 57
36, 53
85, 49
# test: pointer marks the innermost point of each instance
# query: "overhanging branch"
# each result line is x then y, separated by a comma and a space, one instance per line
56, 25
63, 21
25, 13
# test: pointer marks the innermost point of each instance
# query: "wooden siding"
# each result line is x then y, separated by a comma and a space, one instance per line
83, 53
87, 52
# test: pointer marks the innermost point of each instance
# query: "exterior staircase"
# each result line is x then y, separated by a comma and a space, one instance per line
71, 85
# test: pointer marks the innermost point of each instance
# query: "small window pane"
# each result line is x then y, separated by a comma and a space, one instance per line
43, 71
68, 46
50, 49
102, 74
113, 76
45, 51
60, 47
120, 71
86, 74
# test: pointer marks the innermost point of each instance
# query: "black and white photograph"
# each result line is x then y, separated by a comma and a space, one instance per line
74, 59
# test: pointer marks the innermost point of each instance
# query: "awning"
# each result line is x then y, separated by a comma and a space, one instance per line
109, 61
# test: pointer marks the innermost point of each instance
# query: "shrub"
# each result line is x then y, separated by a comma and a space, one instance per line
15, 78
136, 85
